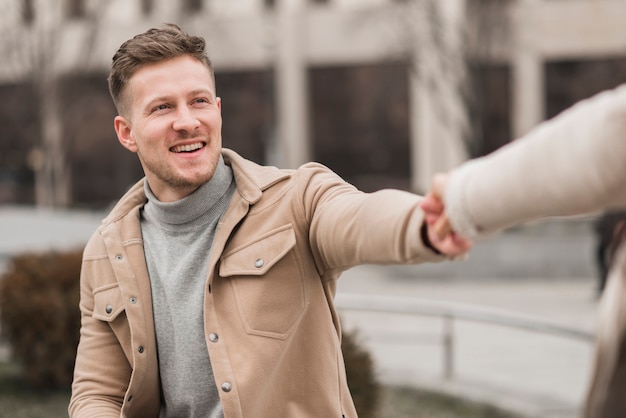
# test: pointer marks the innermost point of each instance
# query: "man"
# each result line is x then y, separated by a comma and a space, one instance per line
208, 290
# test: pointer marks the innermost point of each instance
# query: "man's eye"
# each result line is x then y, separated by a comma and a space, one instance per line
201, 100
159, 108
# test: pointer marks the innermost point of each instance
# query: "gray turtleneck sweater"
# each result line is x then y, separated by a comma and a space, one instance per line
177, 240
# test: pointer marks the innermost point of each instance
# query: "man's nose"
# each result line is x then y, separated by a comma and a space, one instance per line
185, 119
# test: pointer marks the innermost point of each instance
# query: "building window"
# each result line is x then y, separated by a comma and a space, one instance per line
489, 105
569, 81
269, 4
147, 6
190, 6
28, 11
360, 123
75, 9
249, 114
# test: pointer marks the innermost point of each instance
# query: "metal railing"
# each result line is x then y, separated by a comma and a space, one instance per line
451, 311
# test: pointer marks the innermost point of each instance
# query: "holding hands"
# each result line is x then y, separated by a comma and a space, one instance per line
440, 232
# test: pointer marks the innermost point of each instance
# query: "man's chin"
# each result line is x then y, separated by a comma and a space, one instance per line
191, 182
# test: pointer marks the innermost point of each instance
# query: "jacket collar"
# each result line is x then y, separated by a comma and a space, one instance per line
251, 178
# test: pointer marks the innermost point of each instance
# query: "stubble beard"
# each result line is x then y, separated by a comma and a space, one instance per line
177, 181
167, 174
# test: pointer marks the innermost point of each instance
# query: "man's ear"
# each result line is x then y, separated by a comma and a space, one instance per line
123, 131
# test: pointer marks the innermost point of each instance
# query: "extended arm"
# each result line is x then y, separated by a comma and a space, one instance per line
572, 164
349, 227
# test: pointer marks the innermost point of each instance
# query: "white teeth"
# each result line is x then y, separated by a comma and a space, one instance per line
187, 148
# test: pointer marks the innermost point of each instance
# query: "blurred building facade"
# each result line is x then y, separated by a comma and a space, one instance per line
385, 92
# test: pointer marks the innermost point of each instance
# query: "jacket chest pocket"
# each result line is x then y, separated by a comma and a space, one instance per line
267, 281
107, 303
109, 307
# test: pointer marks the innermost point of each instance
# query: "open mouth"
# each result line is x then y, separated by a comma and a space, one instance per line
188, 147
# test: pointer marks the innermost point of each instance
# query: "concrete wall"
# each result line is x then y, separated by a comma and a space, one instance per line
294, 35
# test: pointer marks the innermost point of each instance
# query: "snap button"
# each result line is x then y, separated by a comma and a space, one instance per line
213, 337
259, 263
227, 387
109, 309
133, 300
118, 257
140, 349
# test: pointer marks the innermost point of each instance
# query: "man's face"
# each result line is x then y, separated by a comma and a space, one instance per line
174, 125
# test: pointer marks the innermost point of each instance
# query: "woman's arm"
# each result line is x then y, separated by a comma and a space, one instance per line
572, 164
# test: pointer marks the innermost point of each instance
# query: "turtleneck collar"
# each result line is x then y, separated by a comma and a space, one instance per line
192, 207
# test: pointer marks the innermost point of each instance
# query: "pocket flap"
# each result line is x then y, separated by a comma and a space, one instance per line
107, 303
257, 257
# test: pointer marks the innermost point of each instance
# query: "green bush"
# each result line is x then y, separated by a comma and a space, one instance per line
39, 315
361, 375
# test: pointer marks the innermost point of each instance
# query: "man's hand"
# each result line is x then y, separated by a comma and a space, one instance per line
451, 244
440, 231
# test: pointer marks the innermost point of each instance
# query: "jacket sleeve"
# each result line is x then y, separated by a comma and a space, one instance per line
349, 227
570, 165
102, 369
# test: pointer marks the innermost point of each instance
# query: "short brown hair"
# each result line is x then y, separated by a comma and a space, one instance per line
152, 46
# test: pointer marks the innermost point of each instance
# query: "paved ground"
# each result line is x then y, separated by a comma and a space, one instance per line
545, 270
533, 373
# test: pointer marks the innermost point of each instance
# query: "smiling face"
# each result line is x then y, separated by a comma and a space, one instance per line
174, 125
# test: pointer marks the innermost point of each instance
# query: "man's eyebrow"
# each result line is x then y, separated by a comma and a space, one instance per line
158, 99
166, 98
202, 91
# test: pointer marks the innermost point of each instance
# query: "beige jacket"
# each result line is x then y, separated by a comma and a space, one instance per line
573, 164
271, 328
